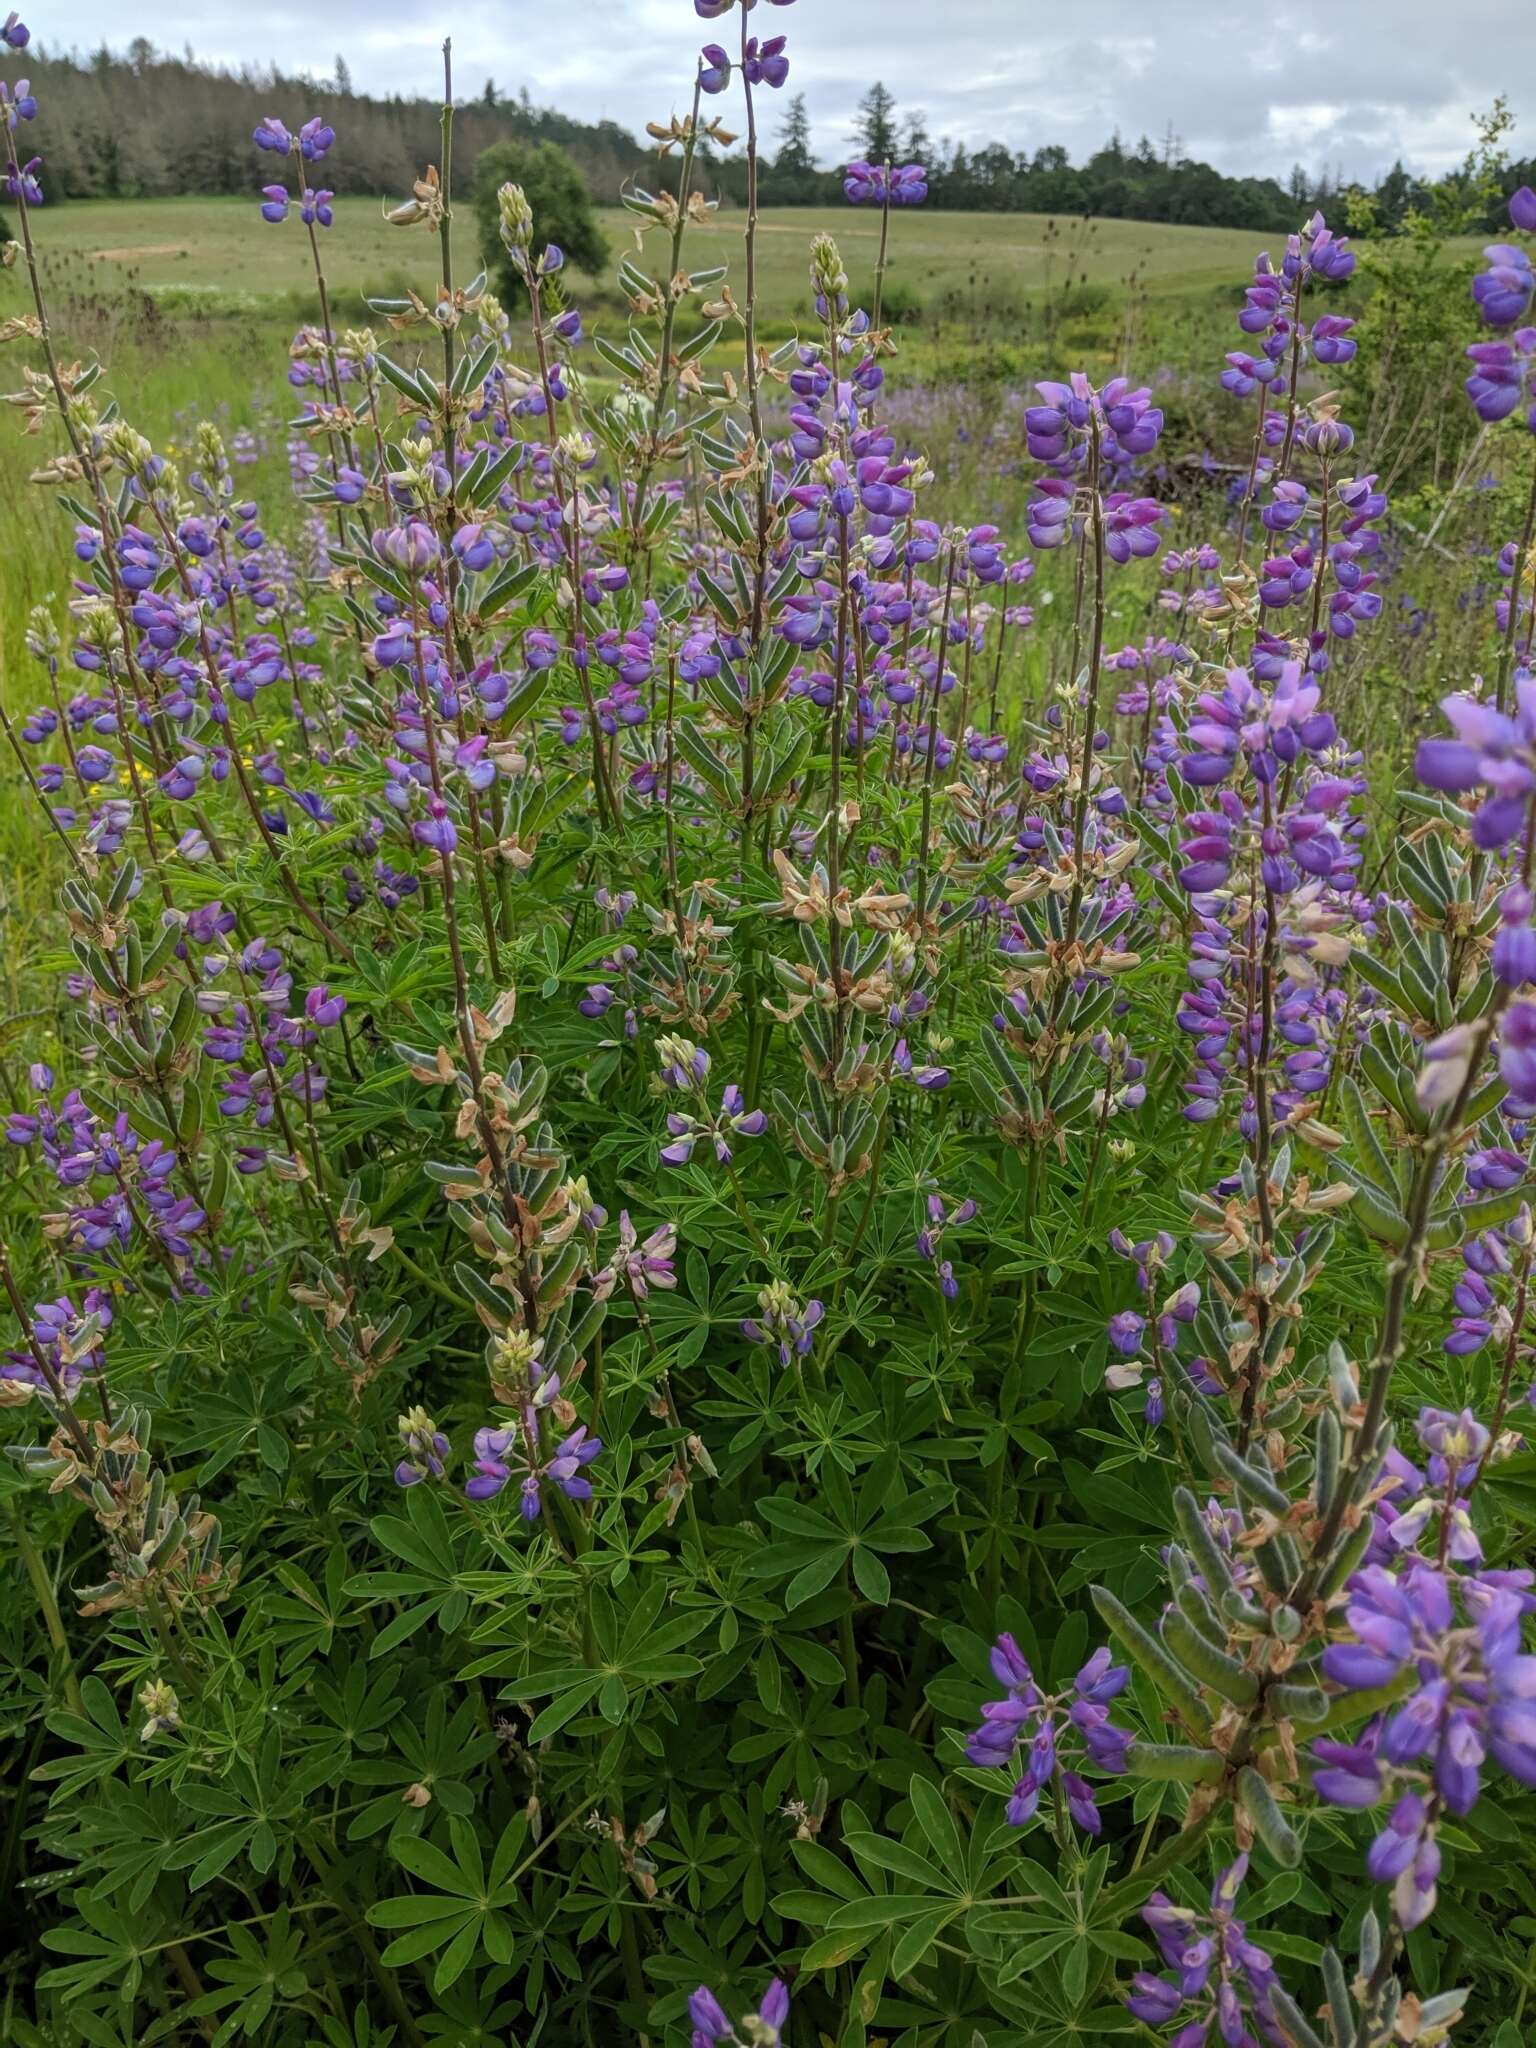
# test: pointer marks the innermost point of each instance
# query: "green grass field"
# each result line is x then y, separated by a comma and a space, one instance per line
190, 303
219, 251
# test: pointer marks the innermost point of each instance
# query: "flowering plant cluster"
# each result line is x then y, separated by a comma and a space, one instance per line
753, 1297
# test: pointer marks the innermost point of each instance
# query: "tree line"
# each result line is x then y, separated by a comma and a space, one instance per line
108, 137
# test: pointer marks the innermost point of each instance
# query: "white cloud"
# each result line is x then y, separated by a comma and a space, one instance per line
1347, 83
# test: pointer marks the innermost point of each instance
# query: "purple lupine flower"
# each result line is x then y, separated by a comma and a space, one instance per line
1223, 1980
1040, 1723
1469, 1706
412, 547
1126, 1331
436, 829
1517, 1057
1503, 291
764, 63
492, 1472
474, 546
1147, 1255
685, 1066
783, 1323
866, 184
571, 1457
315, 138
712, 2025
425, 1451
1501, 377
714, 68
637, 1264
323, 1009
941, 1218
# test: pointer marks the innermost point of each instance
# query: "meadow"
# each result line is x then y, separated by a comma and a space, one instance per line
193, 305
203, 252
769, 1077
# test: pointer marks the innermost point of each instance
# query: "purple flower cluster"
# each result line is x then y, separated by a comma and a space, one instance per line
1040, 1722
1221, 1980
18, 104
118, 1187
783, 1323
685, 1066
866, 184
1271, 309
637, 1265
518, 1450
1449, 1645
1504, 377
1489, 1257
424, 1450
943, 1217
309, 145
70, 1339
1492, 751
1504, 290
502, 1453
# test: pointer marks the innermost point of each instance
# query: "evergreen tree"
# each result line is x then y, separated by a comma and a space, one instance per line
875, 135
916, 142
794, 159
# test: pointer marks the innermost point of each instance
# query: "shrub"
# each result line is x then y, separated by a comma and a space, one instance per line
561, 203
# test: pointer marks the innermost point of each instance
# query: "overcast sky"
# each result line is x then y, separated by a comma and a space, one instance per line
1354, 83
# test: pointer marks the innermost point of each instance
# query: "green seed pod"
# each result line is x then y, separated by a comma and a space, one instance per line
1174, 1763
1270, 1824
1213, 1667
1305, 1703
1165, 1674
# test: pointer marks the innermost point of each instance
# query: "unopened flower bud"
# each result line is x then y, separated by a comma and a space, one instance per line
514, 217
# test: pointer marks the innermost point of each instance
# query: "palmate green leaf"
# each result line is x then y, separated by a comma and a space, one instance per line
109, 1947
465, 1911
885, 1909
1029, 1955
573, 1687
939, 1825
798, 1519
812, 1908
255, 1977
834, 1948
879, 1852
827, 1870
423, 1540
100, 1736
870, 1575
815, 1576
424, 1860
916, 1941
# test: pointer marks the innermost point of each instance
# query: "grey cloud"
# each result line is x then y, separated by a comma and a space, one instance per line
1354, 83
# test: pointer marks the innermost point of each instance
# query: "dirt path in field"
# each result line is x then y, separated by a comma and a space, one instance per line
142, 249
